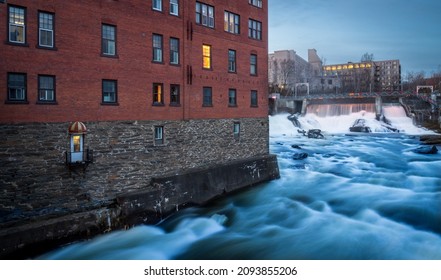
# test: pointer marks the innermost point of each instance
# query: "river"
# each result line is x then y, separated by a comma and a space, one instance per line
355, 196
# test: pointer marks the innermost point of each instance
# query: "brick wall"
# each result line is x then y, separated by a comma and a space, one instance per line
79, 67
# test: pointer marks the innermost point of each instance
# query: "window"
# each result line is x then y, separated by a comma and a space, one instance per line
17, 25
254, 98
16, 87
157, 5
108, 40
159, 135
174, 95
46, 88
254, 29
45, 30
253, 65
232, 61
110, 92
205, 15
257, 3
174, 7
206, 56
208, 97
232, 98
158, 94
174, 51
157, 48
231, 23
236, 130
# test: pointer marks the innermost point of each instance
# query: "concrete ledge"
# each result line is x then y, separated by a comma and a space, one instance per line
162, 196
195, 187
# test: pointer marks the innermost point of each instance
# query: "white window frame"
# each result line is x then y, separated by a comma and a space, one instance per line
110, 97
42, 30
158, 136
157, 5
108, 44
236, 130
205, 15
231, 22
174, 7
158, 49
256, 3
46, 94
17, 23
174, 51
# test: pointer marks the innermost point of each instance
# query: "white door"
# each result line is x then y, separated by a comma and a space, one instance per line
76, 147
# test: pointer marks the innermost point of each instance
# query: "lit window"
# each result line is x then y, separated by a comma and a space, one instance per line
158, 94
157, 48
206, 56
46, 88
231, 23
204, 14
46, 30
174, 7
108, 40
17, 25
109, 92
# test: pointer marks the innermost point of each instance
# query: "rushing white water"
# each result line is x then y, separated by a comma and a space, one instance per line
356, 196
337, 118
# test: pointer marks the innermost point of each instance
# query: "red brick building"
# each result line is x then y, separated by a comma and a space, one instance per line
131, 60
114, 113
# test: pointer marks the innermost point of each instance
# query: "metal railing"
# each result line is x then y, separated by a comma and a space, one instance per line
86, 157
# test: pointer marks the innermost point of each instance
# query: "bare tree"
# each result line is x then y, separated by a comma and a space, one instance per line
414, 79
287, 69
367, 57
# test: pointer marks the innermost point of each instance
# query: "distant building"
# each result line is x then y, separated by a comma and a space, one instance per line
286, 68
366, 76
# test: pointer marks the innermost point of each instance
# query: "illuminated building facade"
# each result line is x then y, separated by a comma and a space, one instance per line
366, 76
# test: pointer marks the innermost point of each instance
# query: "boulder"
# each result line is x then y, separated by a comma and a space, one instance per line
299, 156
426, 150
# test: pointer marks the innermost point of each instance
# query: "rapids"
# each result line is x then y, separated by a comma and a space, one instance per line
356, 196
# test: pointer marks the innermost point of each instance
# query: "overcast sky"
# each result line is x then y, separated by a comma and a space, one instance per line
343, 30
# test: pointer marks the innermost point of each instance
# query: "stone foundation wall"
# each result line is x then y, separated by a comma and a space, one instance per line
37, 186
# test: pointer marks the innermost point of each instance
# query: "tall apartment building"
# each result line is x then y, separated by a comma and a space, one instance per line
101, 99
